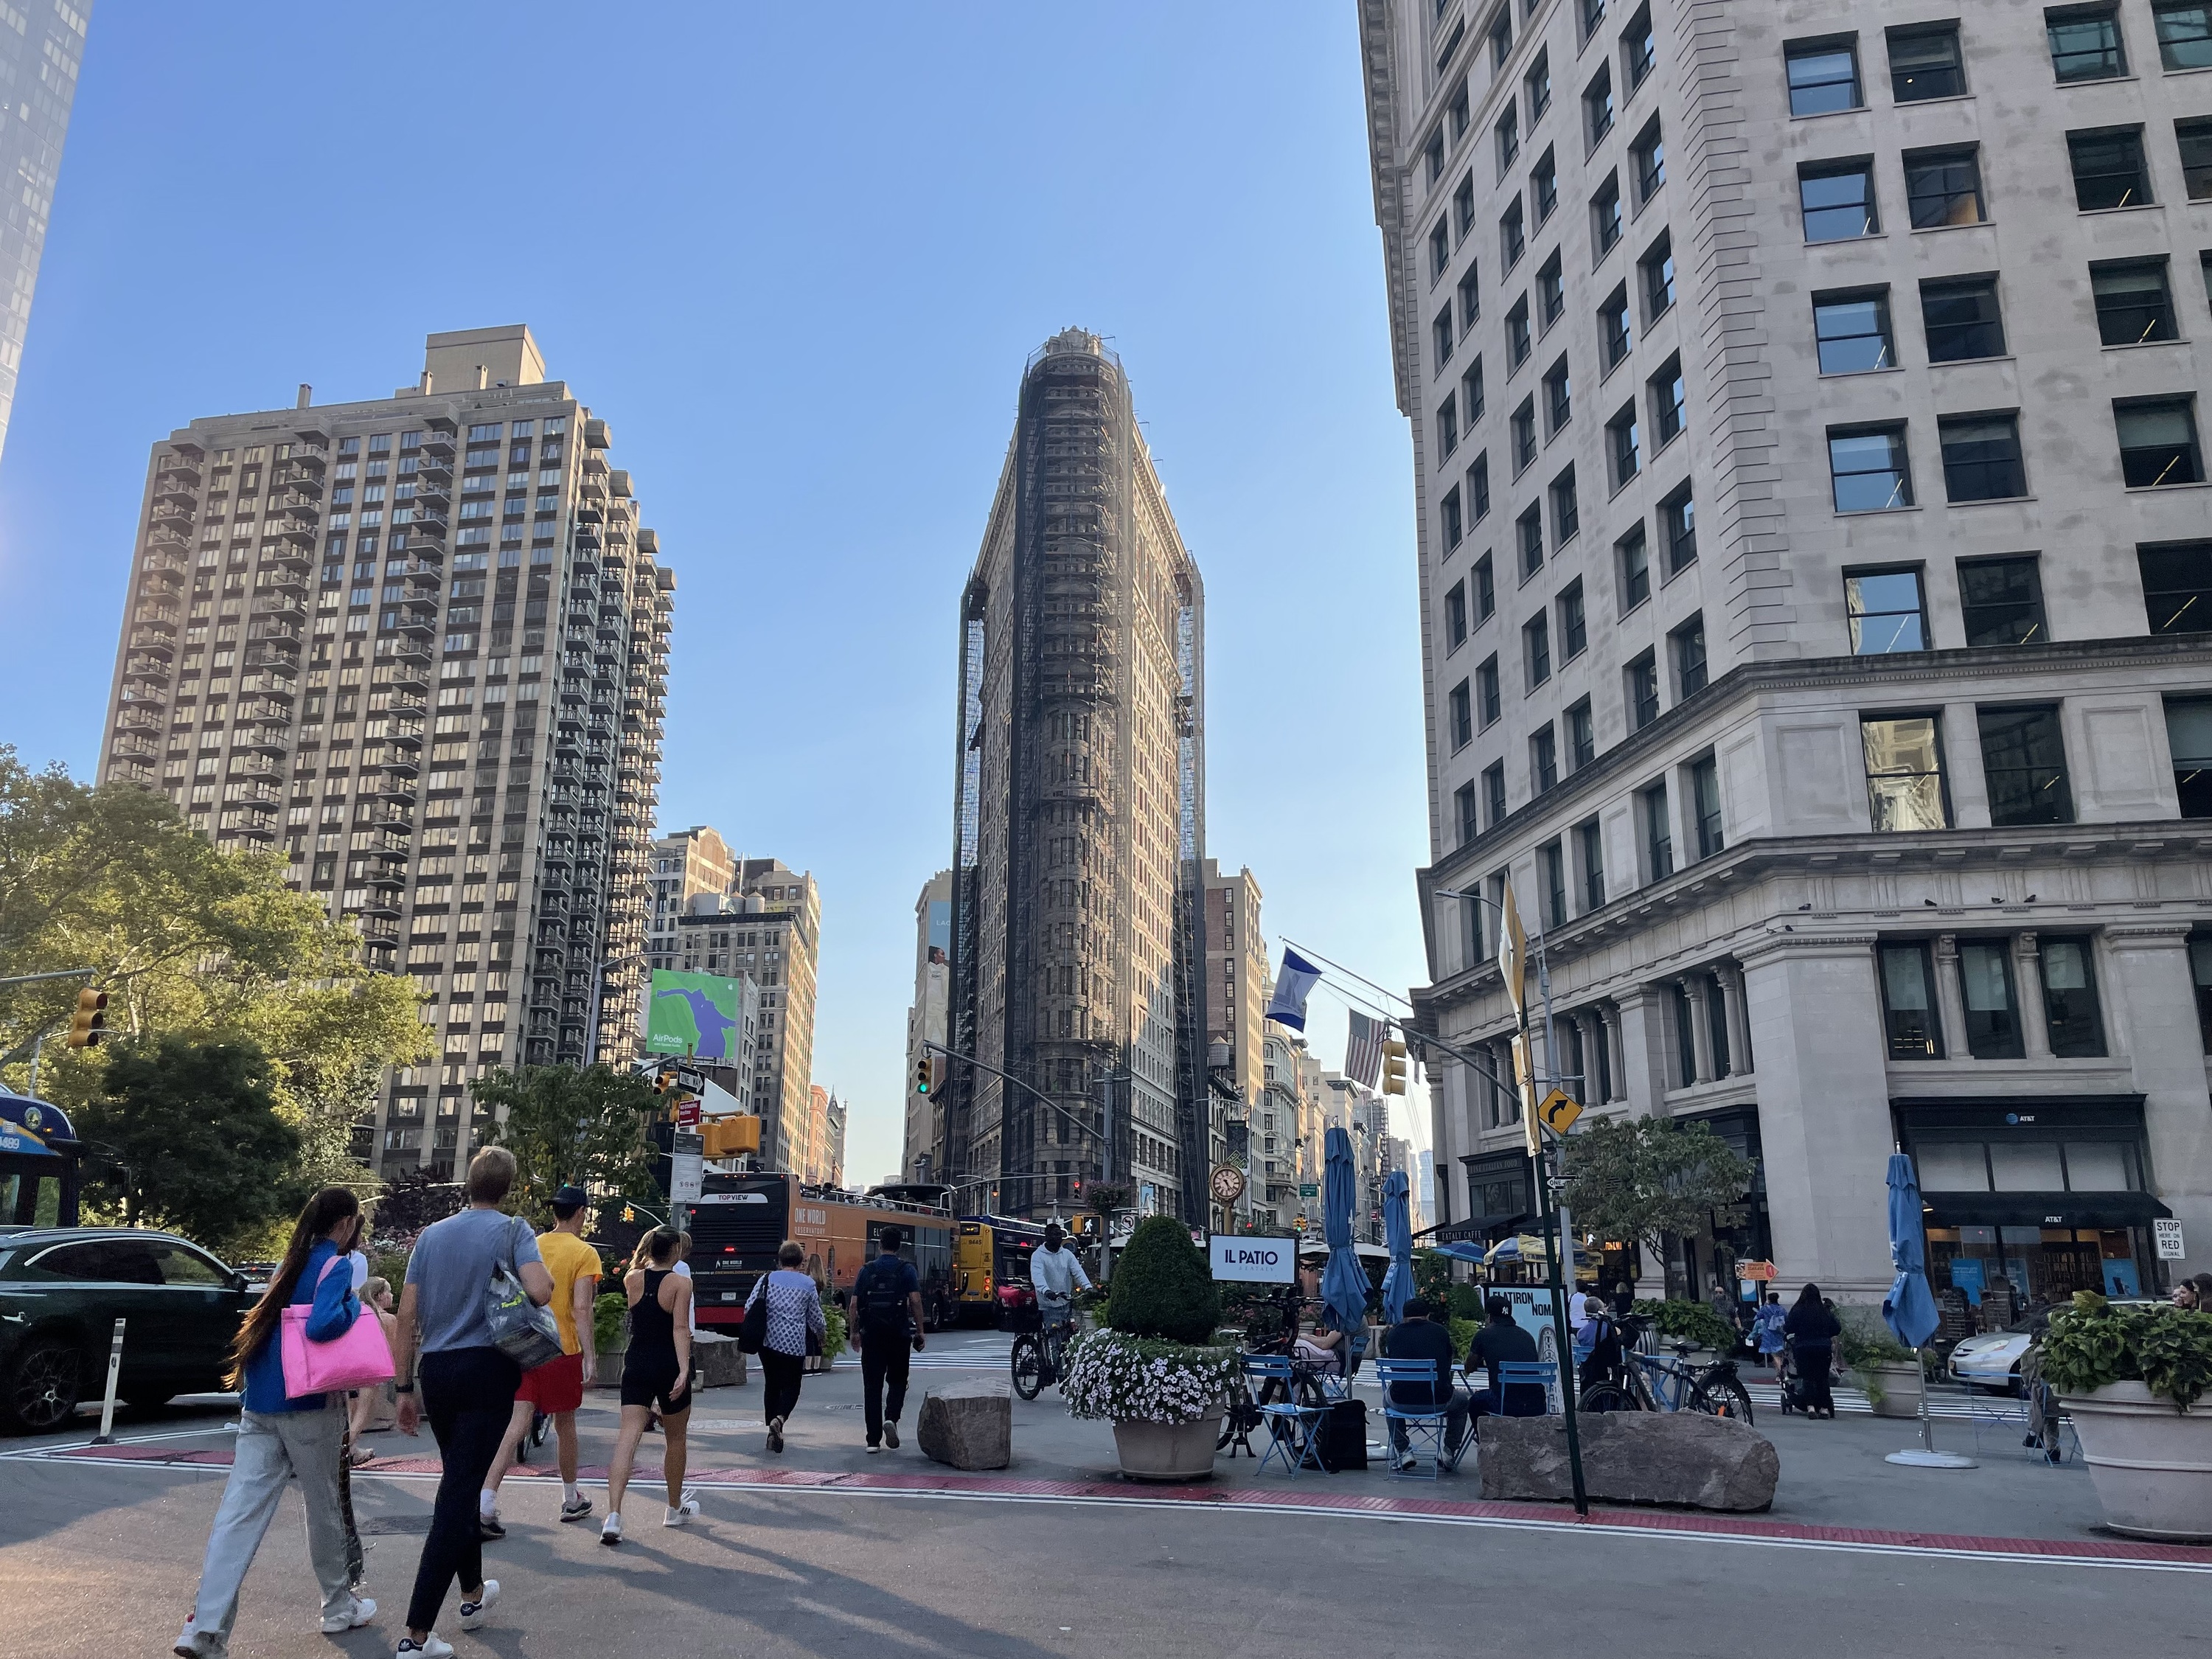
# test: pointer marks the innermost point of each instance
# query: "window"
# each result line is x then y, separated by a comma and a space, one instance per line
1440, 247
1493, 791
1448, 424
1536, 649
1943, 187
1582, 736
1666, 389
1501, 38
1639, 51
1461, 106
2001, 601
1558, 397
2189, 736
1623, 445
2069, 998
2134, 305
1574, 629
1824, 76
1452, 529
1678, 520
1905, 771
1635, 569
1524, 434
1688, 645
1518, 340
1925, 63
1486, 590
1529, 530
1592, 13
1463, 206
1434, 154
2158, 443
1853, 331
1836, 200
1544, 186
1615, 336
1478, 488
1462, 716
1597, 106
1455, 616
1658, 268
1642, 676
1463, 805
1553, 863
2194, 139
1550, 291
1441, 335
2177, 580
1566, 509
1886, 610
1485, 690
2109, 170
1870, 471
2085, 43
1647, 159
1908, 1000
1470, 392
1537, 85
2184, 33
1590, 852
1981, 456
2024, 760
1705, 805
1961, 319
1992, 1021
1658, 831
1508, 135
1543, 761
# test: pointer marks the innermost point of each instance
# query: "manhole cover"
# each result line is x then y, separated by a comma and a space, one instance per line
394, 1526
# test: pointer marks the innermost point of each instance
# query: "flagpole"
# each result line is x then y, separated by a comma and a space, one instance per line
1382, 989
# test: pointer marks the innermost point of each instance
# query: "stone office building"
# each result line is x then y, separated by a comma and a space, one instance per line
1814, 563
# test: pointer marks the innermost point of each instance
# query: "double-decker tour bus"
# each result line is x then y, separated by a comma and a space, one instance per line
740, 1221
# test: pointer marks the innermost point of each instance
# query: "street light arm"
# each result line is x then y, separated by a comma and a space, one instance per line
1008, 1076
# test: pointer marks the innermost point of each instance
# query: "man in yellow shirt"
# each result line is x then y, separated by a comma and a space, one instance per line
555, 1388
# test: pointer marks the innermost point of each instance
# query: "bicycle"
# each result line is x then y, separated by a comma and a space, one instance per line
1244, 1415
1040, 1356
1641, 1382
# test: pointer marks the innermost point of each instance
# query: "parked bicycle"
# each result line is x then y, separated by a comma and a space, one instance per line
1305, 1384
1641, 1382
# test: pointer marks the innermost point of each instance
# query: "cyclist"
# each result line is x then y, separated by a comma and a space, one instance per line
1056, 1275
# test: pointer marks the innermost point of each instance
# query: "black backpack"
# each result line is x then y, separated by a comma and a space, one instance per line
879, 1298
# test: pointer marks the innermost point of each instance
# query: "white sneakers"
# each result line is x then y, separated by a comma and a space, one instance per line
432, 1646
473, 1613
611, 1530
682, 1513
336, 1623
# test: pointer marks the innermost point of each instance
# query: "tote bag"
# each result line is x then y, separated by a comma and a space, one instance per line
526, 1333
358, 1357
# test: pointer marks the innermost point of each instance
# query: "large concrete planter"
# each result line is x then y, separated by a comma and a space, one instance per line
1168, 1451
608, 1369
1893, 1389
2152, 1465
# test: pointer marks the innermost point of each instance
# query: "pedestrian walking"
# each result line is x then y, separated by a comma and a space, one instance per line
793, 1307
1811, 1328
656, 1375
1766, 1331
887, 1328
556, 1387
467, 1384
282, 1436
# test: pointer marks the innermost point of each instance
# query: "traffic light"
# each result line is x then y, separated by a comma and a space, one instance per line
628, 1214
1394, 1068
89, 1020
664, 1080
921, 1071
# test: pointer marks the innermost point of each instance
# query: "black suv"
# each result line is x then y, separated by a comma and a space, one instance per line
62, 1289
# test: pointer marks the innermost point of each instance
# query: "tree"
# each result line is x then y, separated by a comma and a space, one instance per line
591, 1127
1635, 1179
1104, 1197
1163, 1286
188, 1136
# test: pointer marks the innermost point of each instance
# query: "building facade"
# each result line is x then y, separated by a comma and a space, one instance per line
1812, 557
925, 1025
41, 49
685, 864
1079, 825
1237, 987
420, 644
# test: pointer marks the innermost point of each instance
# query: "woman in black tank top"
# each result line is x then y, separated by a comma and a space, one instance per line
656, 1375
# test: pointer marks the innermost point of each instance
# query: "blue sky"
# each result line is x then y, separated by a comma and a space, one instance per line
796, 258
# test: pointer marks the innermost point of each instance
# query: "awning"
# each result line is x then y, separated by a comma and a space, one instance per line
2042, 1209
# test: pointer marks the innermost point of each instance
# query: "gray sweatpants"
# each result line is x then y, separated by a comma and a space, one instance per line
271, 1449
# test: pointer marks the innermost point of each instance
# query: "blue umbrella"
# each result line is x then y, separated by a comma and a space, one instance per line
1462, 1250
1398, 1233
1343, 1281
1909, 1309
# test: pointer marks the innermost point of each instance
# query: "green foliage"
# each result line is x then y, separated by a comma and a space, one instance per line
1432, 1277
610, 1319
590, 1126
1462, 1335
1636, 1179
2091, 1343
1163, 1286
1465, 1302
833, 1340
187, 1137
1864, 1340
1128, 1379
1694, 1322
1104, 1197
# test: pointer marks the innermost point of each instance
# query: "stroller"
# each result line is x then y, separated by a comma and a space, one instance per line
1796, 1392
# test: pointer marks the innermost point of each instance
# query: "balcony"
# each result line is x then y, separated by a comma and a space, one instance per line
252, 795
168, 536
176, 473
431, 525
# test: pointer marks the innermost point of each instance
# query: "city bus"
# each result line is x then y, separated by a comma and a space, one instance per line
991, 1261
740, 1221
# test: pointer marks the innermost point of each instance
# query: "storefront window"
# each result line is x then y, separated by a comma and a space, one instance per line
1992, 1017
2026, 1166
2069, 998
1909, 1003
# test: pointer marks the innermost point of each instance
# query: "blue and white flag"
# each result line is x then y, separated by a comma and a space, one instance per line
1298, 978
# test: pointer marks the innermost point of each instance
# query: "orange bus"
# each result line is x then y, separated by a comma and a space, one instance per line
741, 1220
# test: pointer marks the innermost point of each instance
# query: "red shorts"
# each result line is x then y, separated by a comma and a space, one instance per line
555, 1386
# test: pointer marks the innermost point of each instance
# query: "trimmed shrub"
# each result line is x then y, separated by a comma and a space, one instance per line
1162, 1285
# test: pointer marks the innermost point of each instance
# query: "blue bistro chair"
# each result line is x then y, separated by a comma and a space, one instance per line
1524, 1374
1424, 1426
1293, 1429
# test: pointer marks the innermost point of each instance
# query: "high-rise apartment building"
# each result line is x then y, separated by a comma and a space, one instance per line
41, 47
1814, 575
1077, 960
420, 645
1237, 987
1281, 1120
925, 1024
685, 864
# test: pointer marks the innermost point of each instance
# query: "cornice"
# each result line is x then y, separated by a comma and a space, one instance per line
1378, 55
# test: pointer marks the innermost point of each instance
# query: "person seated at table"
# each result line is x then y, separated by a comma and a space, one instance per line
1498, 1342
1322, 1347
1417, 1336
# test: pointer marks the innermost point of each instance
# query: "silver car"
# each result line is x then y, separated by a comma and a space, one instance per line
1992, 1361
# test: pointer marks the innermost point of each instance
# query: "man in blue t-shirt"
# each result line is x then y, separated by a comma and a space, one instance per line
886, 1328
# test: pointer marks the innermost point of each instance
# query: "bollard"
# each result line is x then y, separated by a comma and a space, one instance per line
106, 1437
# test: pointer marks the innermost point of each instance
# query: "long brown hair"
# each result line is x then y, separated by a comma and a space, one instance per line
324, 1211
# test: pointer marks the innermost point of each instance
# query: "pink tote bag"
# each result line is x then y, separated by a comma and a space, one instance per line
361, 1359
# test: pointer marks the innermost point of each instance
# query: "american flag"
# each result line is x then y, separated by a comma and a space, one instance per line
1363, 1051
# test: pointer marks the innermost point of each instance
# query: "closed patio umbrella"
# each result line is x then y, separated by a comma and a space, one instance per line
1343, 1280
1398, 1234
1909, 1311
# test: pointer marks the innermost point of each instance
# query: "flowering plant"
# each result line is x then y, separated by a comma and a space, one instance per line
1128, 1379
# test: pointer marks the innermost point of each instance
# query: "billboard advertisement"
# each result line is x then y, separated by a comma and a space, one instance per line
693, 1014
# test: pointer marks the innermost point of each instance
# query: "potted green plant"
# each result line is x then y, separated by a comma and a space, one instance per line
833, 1341
2131, 1378
1693, 1322
609, 1336
1152, 1370
1885, 1370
